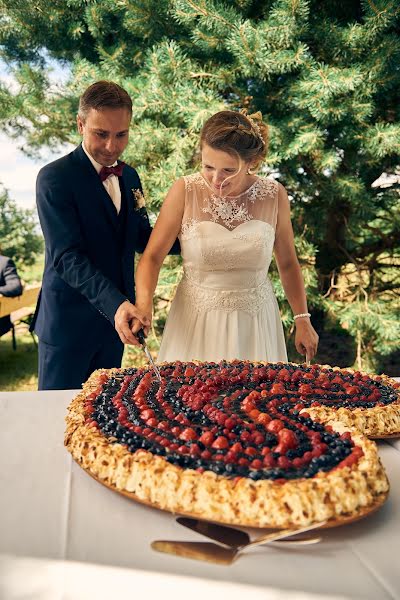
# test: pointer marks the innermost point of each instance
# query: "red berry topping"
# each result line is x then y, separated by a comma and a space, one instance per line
147, 414
275, 425
220, 442
207, 438
188, 434
251, 416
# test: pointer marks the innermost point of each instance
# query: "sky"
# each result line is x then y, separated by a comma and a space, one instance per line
17, 171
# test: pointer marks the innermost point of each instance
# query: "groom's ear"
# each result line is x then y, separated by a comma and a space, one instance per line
80, 124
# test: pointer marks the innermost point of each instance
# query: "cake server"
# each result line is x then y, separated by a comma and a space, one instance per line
142, 341
218, 554
228, 536
232, 537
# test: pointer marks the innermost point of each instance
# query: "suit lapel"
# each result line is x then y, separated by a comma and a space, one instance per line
108, 205
93, 187
129, 233
130, 205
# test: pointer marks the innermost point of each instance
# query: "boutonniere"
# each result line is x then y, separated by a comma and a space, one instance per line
139, 199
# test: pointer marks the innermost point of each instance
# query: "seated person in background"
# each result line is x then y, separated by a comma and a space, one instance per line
10, 285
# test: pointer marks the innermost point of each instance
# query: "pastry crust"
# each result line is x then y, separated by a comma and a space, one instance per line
377, 422
343, 493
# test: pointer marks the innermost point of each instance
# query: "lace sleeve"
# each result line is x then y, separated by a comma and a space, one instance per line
265, 201
191, 213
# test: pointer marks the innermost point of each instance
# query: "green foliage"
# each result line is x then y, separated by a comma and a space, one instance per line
19, 237
325, 76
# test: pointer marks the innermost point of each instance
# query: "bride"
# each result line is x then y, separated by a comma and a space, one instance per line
229, 222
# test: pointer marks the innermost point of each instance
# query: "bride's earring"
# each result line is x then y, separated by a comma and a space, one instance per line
250, 171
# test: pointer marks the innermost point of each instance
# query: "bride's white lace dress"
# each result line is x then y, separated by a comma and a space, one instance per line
225, 307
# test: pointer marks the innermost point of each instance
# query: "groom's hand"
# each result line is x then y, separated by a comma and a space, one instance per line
123, 320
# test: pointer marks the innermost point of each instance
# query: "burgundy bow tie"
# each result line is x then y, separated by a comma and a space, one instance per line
107, 171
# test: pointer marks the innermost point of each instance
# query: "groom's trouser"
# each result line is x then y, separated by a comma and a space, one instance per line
64, 368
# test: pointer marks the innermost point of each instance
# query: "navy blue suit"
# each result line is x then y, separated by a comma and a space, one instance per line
89, 268
10, 285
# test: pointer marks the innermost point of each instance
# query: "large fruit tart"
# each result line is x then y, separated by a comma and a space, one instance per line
239, 442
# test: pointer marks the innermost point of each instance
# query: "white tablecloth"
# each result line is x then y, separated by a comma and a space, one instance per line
51, 509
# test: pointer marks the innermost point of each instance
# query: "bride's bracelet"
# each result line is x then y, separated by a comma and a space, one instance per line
300, 315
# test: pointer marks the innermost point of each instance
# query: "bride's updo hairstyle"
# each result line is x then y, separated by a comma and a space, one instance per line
237, 133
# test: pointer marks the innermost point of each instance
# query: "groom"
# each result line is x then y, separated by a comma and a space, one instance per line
92, 224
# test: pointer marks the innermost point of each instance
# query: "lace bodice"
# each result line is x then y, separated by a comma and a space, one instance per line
227, 245
258, 202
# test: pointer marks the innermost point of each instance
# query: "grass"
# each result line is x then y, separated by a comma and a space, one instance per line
18, 368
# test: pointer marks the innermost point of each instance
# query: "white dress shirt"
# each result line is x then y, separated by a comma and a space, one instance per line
111, 183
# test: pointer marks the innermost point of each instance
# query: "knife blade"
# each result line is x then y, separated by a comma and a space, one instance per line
142, 342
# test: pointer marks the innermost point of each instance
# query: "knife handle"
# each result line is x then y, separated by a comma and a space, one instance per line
140, 337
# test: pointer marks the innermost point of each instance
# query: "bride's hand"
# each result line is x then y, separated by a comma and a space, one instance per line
306, 338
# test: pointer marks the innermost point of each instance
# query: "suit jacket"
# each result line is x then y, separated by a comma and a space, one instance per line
10, 285
89, 261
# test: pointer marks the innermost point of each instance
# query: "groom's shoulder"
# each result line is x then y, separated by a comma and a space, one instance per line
60, 166
130, 171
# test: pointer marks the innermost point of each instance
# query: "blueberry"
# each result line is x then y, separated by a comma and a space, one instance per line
255, 475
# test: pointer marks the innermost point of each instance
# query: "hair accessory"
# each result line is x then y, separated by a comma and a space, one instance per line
253, 118
300, 315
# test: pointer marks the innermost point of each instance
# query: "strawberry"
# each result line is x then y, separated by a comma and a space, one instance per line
288, 437
275, 425
237, 447
207, 438
269, 461
284, 462
220, 443
188, 434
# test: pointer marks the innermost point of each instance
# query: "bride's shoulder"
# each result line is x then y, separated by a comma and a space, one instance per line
193, 180
177, 189
268, 185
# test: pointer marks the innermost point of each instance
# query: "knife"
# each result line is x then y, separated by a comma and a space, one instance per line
142, 342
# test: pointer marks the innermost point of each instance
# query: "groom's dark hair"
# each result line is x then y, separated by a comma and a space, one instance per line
103, 94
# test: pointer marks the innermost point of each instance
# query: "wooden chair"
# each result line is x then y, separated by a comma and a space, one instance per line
17, 310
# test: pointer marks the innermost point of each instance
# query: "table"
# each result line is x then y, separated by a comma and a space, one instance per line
28, 298
50, 509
